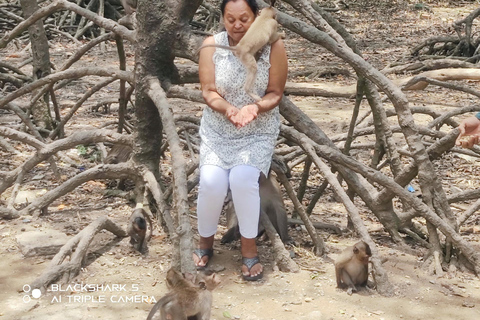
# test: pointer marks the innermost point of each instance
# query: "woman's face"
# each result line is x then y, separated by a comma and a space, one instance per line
237, 19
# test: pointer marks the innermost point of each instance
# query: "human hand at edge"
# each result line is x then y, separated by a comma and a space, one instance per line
469, 127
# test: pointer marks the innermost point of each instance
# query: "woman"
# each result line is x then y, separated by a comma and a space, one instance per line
238, 134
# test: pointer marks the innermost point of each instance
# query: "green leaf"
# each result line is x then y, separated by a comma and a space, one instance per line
82, 150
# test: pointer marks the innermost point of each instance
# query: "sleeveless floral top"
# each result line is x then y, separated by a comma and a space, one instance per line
224, 145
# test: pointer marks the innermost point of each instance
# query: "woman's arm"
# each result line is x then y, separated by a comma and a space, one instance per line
276, 84
206, 71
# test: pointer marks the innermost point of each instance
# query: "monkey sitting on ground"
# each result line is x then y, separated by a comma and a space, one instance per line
262, 31
351, 267
189, 298
137, 229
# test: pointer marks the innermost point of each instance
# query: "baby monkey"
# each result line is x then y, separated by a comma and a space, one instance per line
261, 32
351, 267
137, 229
188, 297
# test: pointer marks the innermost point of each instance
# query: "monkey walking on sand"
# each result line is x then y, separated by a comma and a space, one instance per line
351, 266
262, 31
189, 297
137, 229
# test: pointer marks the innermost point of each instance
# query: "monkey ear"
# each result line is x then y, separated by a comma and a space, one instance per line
355, 250
202, 284
368, 251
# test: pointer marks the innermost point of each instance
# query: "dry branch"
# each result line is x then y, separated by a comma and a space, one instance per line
5, 145
333, 155
76, 248
467, 214
75, 57
65, 5
464, 196
319, 245
319, 90
164, 212
21, 137
282, 256
78, 104
11, 79
383, 285
44, 151
446, 116
184, 231
318, 225
68, 74
444, 84
435, 64
441, 75
432, 41
185, 93
432, 191
424, 131
103, 171
8, 213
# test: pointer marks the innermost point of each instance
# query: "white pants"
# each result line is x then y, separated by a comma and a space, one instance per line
214, 184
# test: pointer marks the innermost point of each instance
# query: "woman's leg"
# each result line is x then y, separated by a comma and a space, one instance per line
246, 200
212, 191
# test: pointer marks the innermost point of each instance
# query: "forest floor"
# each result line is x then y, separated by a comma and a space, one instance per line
385, 35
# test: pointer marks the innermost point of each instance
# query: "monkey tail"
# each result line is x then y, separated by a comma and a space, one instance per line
216, 46
160, 304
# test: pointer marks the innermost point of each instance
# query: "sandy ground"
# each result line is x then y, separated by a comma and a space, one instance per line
128, 284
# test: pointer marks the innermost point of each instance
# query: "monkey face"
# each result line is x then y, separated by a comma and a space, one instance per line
362, 252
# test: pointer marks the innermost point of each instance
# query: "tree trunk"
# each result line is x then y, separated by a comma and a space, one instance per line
160, 24
41, 63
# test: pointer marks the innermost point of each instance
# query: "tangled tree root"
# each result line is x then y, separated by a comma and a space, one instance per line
76, 248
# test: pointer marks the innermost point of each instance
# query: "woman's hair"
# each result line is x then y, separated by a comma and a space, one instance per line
251, 3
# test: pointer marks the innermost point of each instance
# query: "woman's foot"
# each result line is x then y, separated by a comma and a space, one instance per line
252, 269
204, 252
250, 263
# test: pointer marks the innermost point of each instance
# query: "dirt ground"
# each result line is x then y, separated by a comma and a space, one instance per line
128, 284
